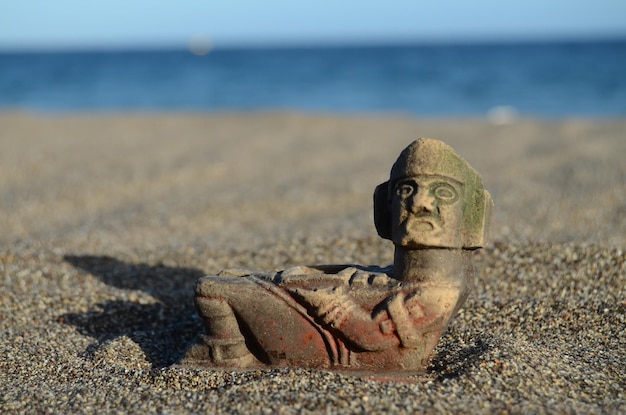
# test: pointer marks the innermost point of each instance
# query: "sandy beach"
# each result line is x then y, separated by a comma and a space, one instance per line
107, 220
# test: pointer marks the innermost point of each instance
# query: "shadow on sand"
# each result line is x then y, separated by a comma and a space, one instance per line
162, 330
454, 361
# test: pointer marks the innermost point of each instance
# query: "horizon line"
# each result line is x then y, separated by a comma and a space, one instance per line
311, 44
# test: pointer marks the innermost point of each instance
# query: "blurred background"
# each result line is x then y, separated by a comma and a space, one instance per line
485, 58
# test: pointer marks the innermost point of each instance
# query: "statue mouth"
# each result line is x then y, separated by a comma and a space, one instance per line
423, 225
429, 224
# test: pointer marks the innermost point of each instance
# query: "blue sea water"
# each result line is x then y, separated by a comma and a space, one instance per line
535, 79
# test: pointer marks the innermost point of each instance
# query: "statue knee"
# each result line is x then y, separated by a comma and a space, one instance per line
221, 287
215, 299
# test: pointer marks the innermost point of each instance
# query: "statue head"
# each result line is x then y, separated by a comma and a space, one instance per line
433, 198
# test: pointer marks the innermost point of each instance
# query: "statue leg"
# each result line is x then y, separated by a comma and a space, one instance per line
251, 323
223, 345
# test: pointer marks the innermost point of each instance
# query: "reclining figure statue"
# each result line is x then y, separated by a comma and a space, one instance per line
435, 211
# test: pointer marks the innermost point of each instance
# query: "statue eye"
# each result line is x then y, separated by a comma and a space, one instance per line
404, 190
445, 192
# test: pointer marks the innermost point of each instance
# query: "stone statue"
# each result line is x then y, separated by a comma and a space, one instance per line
435, 211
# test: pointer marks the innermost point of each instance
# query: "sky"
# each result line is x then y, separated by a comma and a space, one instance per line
127, 24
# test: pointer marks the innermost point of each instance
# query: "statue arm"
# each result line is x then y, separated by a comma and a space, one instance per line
319, 274
339, 313
413, 315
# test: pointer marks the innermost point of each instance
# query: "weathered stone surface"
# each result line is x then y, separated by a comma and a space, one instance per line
381, 320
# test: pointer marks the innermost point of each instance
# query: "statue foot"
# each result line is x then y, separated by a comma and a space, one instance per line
211, 352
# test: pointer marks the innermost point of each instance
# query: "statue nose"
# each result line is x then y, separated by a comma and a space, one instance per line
422, 203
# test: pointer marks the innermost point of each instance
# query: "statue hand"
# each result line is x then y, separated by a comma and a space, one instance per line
322, 298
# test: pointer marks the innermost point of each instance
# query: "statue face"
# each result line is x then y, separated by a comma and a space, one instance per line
427, 211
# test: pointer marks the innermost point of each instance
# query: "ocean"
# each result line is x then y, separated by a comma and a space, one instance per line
558, 79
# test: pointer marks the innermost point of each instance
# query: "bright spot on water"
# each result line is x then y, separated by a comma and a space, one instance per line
502, 114
200, 44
